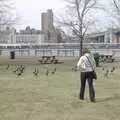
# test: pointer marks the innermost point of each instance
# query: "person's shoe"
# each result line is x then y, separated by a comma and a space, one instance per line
93, 101
81, 98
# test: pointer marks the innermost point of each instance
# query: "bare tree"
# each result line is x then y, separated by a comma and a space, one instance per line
7, 17
80, 17
117, 5
116, 12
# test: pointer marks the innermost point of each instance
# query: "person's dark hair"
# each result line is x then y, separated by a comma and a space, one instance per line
86, 50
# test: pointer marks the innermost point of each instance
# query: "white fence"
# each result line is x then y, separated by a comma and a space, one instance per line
56, 52
64, 49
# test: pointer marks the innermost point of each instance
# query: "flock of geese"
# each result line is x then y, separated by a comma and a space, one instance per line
105, 72
19, 70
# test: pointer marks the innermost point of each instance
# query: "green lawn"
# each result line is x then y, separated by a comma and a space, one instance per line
55, 97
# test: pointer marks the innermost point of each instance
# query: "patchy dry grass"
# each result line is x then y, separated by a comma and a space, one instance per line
55, 97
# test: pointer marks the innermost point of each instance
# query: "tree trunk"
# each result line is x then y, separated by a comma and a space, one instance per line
81, 47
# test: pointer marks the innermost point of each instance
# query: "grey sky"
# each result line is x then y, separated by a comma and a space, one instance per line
30, 11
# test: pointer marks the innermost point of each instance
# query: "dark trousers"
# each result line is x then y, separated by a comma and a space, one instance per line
89, 77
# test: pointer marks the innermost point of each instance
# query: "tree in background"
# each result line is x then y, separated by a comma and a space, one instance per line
117, 5
115, 13
7, 13
79, 17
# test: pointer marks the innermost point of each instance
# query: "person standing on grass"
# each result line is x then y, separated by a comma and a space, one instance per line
86, 65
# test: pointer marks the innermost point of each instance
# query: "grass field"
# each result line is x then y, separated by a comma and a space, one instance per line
55, 97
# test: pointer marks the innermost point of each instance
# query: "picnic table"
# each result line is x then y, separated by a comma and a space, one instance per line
106, 58
48, 60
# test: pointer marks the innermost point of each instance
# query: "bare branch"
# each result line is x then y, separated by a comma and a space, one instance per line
80, 20
6, 15
116, 4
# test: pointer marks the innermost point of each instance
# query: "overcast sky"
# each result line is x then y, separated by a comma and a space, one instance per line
30, 11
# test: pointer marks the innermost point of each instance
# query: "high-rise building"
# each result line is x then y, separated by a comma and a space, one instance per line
48, 27
47, 20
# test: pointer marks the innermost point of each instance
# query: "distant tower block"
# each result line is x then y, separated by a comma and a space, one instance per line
48, 27
47, 20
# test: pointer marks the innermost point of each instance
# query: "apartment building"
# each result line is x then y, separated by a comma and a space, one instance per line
108, 36
29, 36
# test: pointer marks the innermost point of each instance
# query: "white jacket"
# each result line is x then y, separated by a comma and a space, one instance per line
86, 65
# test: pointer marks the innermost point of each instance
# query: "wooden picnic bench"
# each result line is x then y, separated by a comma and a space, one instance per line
48, 60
